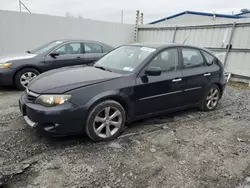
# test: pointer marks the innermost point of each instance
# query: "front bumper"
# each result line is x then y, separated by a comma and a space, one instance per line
7, 77
65, 119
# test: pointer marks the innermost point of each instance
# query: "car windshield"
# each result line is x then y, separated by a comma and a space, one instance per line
45, 47
124, 59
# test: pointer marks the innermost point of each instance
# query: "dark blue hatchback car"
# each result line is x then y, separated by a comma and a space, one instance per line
129, 83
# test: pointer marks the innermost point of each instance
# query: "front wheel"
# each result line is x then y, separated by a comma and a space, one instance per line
211, 98
105, 121
24, 76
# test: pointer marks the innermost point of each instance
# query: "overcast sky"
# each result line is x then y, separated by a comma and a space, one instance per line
110, 10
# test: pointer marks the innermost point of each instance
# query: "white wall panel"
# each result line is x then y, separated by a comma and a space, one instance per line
211, 36
239, 63
155, 35
241, 37
23, 31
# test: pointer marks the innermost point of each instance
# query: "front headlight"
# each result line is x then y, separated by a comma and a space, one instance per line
5, 65
52, 100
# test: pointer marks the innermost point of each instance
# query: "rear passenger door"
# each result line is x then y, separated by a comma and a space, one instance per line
93, 52
196, 75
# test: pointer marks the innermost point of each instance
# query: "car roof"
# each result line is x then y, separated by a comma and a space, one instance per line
157, 45
82, 40
151, 44
69, 40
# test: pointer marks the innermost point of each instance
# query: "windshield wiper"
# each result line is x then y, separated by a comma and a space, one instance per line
100, 67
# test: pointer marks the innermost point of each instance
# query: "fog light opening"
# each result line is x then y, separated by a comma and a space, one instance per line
51, 127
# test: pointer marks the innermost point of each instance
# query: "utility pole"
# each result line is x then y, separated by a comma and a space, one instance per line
141, 20
214, 16
122, 16
136, 25
22, 4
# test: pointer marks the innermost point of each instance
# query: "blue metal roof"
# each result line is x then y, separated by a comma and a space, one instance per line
198, 13
242, 13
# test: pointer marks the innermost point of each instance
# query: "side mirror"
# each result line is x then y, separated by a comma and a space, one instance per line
153, 71
54, 54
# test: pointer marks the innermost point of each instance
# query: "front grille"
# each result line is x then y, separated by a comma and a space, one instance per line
30, 96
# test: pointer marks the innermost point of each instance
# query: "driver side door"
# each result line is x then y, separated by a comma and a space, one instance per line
70, 54
164, 92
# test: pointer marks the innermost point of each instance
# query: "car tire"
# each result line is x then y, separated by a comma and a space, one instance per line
105, 121
30, 73
211, 98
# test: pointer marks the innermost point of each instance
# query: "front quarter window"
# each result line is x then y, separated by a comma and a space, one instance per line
125, 58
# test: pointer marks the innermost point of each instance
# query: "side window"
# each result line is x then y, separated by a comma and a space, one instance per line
167, 60
192, 58
70, 48
104, 50
92, 48
75, 48
209, 58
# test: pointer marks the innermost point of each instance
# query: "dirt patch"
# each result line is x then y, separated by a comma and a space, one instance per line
239, 85
188, 149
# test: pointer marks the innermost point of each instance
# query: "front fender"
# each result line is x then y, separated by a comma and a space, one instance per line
123, 98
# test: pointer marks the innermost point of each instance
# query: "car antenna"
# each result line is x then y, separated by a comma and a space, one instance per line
185, 40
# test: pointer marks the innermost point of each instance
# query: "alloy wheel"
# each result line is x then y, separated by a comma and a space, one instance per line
212, 98
107, 122
26, 78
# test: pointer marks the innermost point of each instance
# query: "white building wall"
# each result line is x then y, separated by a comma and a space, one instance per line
23, 31
193, 19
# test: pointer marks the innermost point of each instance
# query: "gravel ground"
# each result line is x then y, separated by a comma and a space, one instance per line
188, 149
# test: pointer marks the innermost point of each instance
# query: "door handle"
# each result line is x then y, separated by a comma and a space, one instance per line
177, 80
207, 74
78, 58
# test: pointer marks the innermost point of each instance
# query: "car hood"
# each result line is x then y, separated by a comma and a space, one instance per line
65, 79
12, 57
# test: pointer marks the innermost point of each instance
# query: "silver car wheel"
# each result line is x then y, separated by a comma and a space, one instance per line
26, 78
212, 98
107, 122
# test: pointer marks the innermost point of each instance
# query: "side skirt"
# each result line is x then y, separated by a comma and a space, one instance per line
162, 112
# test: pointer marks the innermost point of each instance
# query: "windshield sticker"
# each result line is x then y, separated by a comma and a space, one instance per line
128, 69
147, 49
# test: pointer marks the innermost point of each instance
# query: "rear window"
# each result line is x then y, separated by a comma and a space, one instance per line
92, 48
192, 58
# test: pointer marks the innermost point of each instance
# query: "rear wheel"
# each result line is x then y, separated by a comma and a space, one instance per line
24, 76
211, 98
105, 121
